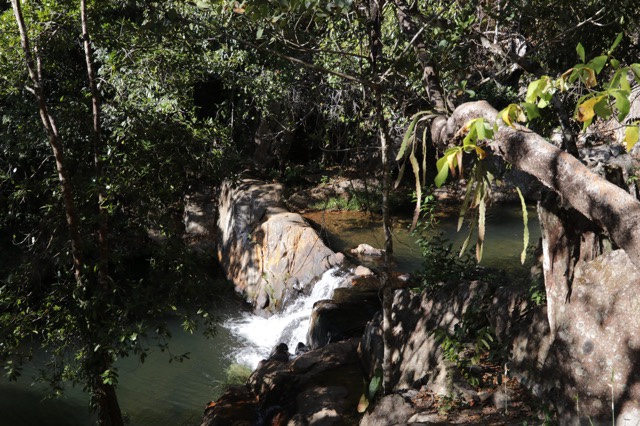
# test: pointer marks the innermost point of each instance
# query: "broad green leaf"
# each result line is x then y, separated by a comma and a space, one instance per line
602, 108
525, 219
622, 103
531, 110
532, 91
472, 132
598, 63
481, 229
259, 33
631, 136
580, 50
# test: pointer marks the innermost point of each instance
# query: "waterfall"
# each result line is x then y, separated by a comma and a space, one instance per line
261, 335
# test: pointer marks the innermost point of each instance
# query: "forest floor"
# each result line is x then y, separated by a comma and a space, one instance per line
502, 401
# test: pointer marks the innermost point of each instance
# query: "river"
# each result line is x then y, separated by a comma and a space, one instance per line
160, 393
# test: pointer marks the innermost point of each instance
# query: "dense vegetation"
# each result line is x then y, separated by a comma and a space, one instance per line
107, 126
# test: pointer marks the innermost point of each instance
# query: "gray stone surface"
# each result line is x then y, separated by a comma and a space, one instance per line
264, 249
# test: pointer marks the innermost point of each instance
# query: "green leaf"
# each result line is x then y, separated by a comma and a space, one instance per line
631, 136
446, 162
443, 172
408, 136
259, 33
635, 68
525, 219
374, 385
466, 201
616, 43
622, 103
580, 50
531, 110
532, 91
598, 63
602, 109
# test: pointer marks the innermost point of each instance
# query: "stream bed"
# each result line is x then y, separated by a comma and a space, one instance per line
160, 393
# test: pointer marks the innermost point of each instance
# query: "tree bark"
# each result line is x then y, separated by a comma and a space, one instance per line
406, 19
34, 69
608, 206
103, 228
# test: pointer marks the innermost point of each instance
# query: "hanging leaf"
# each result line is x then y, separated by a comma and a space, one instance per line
416, 173
466, 201
525, 219
481, 229
408, 136
465, 244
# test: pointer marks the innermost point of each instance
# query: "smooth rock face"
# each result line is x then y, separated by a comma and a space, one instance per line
596, 348
265, 249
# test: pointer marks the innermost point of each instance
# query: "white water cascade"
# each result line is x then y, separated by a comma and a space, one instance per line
261, 335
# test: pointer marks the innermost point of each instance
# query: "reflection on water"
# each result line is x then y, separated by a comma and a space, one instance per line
157, 393
503, 240
154, 393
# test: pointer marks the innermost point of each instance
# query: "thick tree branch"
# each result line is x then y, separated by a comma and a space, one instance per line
607, 205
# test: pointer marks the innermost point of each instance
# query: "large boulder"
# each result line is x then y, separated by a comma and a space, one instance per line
264, 249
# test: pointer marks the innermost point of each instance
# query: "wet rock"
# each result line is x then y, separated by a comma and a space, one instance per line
343, 317
280, 353
367, 250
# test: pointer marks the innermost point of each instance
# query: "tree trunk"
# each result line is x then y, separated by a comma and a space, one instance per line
103, 229
568, 237
34, 68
